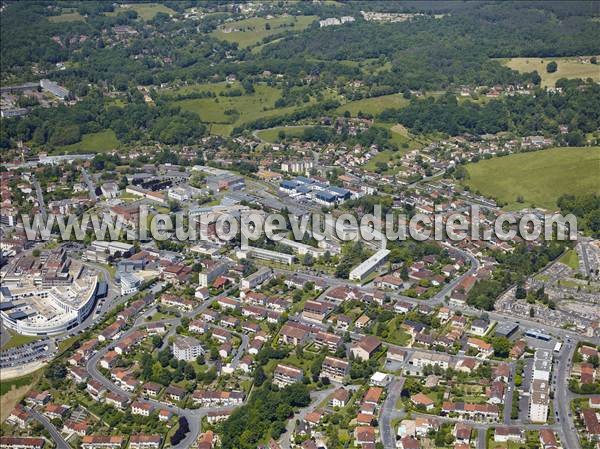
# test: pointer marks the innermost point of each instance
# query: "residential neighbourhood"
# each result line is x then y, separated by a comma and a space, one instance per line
299, 225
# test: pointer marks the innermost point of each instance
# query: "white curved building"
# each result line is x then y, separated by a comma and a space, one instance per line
35, 310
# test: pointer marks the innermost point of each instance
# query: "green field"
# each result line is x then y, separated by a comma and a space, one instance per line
17, 340
373, 105
570, 259
540, 177
93, 143
67, 17
271, 135
403, 140
252, 31
246, 107
567, 68
7, 385
146, 11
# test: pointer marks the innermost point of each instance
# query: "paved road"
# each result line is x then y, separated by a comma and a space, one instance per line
54, 433
481, 439
194, 416
316, 397
563, 397
240, 351
486, 425
90, 185
508, 395
389, 412
40, 196
584, 256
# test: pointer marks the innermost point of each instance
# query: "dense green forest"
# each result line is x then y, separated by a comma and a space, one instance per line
425, 53
512, 268
135, 121
263, 415
586, 208
454, 47
522, 114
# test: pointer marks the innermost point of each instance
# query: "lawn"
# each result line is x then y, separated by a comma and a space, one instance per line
248, 32
146, 11
67, 17
224, 113
373, 105
17, 340
271, 135
13, 390
393, 332
570, 259
567, 68
17, 382
401, 137
539, 177
93, 143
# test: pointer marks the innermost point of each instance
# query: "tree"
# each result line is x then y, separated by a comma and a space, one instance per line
501, 346
552, 67
297, 296
308, 260
190, 372
156, 341
521, 292
575, 138
259, 376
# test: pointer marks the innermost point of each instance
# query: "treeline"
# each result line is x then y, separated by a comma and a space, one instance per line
376, 135
263, 416
317, 110
587, 210
135, 121
521, 114
512, 269
433, 53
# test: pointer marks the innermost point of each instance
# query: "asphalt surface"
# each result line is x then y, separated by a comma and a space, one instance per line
193, 416
316, 397
90, 185
54, 433
508, 394
389, 412
40, 196
563, 396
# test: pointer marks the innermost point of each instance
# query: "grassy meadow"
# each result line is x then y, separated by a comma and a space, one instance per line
540, 177
93, 143
567, 68
570, 259
223, 113
146, 11
67, 17
248, 32
271, 135
373, 105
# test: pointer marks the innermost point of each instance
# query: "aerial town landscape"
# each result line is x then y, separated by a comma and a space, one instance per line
127, 124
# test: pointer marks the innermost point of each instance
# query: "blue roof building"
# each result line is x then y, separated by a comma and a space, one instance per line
326, 197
